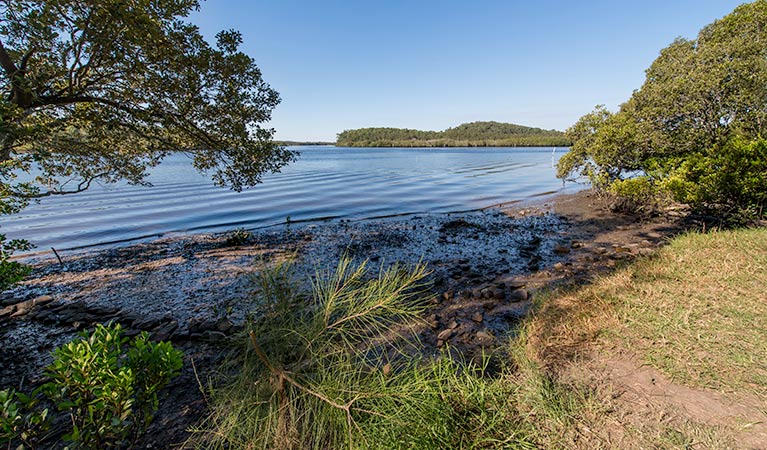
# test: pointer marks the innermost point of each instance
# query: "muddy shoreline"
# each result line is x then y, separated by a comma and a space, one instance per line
195, 290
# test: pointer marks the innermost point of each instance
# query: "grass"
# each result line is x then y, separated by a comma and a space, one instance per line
696, 311
339, 368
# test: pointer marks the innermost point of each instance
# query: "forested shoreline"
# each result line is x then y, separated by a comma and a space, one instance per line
474, 134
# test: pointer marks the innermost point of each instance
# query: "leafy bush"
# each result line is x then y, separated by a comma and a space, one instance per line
11, 272
109, 384
730, 178
238, 237
20, 419
640, 195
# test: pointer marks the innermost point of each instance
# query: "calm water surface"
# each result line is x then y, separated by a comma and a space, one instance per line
325, 182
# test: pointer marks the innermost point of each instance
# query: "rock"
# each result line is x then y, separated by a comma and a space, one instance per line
7, 311
645, 251
519, 295
165, 332
576, 244
453, 325
476, 293
213, 336
447, 295
26, 306
487, 293
559, 266
499, 294
561, 250
477, 317
485, 337
515, 284
224, 325
444, 334
601, 250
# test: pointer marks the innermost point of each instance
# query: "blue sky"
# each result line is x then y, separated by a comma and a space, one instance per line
435, 64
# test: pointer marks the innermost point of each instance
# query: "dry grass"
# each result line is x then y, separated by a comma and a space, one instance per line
696, 312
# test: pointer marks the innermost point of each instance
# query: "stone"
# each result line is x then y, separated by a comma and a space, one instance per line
519, 295
165, 332
447, 295
453, 325
561, 250
515, 284
7, 311
477, 317
559, 266
483, 336
444, 334
211, 335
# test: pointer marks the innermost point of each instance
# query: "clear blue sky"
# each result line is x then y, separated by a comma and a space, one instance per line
432, 64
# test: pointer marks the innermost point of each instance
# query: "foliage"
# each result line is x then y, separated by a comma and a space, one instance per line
20, 418
475, 134
102, 91
728, 177
698, 96
11, 272
639, 195
109, 384
238, 237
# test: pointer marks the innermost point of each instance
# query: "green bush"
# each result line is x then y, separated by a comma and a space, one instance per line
20, 419
640, 195
11, 272
238, 237
731, 178
109, 384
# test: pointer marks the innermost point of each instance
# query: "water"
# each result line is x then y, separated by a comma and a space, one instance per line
326, 182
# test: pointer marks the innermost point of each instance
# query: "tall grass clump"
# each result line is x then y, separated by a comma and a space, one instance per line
340, 368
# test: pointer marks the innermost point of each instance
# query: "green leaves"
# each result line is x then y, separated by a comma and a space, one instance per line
20, 418
104, 90
11, 272
686, 128
110, 391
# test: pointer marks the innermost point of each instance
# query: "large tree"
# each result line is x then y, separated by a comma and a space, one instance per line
104, 89
703, 100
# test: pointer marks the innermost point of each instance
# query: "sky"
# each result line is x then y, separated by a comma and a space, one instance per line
434, 64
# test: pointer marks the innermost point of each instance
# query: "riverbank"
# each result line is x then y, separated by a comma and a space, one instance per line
195, 290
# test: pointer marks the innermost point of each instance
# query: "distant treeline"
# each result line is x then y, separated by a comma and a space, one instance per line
294, 143
475, 134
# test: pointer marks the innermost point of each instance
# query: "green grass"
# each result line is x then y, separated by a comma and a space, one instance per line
698, 311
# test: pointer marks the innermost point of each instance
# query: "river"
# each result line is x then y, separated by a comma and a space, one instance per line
325, 183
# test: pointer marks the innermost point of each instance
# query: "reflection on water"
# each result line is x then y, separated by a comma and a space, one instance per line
324, 182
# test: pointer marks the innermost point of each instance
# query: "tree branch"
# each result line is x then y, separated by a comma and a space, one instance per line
81, 187
6, 62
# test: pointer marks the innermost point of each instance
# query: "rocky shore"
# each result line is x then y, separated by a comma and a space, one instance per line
196, 290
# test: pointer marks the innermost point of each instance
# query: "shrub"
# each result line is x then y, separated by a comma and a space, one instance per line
730, 178
639, 195
20, 419
109, 384
238, 237
11, 272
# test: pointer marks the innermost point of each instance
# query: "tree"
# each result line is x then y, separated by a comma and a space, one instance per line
698, 96
104, 89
